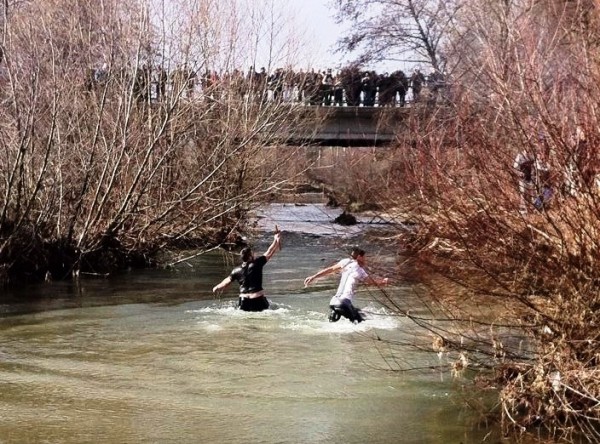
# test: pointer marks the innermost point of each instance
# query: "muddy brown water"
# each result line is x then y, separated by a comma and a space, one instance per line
153, 357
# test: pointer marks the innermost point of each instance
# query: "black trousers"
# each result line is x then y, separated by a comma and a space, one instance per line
347, 310
256, 304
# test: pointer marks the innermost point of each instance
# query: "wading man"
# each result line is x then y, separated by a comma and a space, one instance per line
353, 273
249, 275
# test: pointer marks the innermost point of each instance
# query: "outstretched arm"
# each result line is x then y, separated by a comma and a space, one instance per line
324, 272
376, 281
223, 284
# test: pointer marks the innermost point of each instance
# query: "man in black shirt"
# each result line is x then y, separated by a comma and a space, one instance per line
249, 276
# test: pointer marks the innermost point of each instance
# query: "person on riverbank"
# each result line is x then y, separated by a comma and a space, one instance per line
524, 166
249, 275
352, 273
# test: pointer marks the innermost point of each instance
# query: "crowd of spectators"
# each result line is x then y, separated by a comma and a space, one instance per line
349, 86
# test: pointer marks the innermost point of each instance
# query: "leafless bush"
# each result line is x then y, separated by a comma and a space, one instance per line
99, 168
513, 281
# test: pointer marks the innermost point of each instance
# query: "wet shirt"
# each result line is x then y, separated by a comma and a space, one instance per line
249, 275
352, 275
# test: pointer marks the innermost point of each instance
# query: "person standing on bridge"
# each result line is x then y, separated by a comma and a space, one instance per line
249, 275
353, 273
416, 82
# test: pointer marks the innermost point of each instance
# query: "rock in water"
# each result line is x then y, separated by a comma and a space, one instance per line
345, 219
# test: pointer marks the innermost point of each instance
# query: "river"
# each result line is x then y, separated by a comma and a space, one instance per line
153, 357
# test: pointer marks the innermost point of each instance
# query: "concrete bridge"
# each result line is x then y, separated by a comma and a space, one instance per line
349, 126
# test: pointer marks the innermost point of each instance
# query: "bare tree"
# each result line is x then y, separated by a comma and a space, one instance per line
405, 30
511, 258
98, 169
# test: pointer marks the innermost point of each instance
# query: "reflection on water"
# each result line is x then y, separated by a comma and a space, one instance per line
154, 357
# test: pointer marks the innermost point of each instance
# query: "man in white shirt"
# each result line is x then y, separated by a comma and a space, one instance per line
353, 273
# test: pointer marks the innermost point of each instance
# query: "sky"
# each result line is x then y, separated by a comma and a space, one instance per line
309, 28
317, 16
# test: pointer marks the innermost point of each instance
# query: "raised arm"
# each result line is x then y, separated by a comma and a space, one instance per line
274, 247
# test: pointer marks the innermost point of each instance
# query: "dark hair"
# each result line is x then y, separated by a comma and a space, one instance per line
356, 251
246, 254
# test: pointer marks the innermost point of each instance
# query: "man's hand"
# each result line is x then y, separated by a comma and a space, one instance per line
278, 237
308, 280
